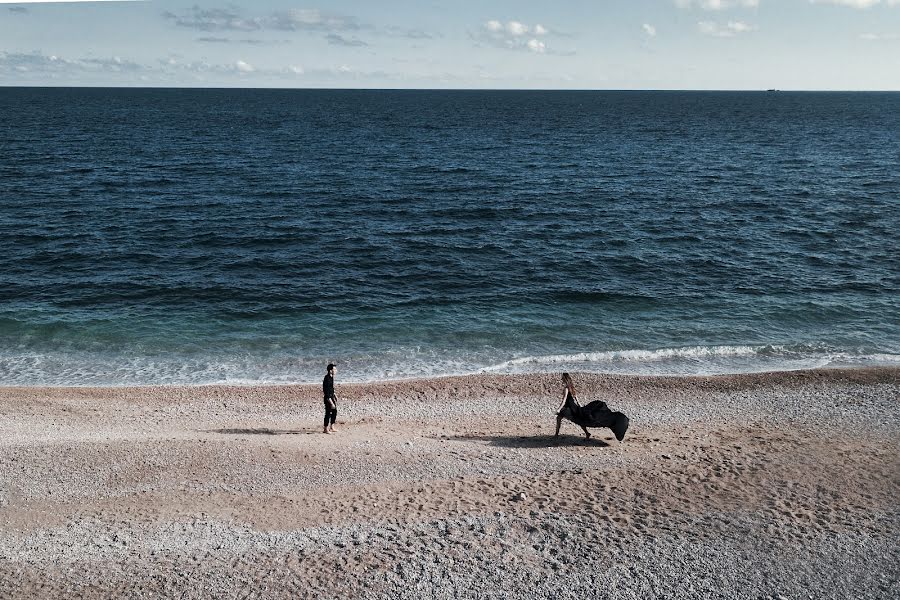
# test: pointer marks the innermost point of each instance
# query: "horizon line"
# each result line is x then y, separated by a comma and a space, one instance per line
61, 1
447, 89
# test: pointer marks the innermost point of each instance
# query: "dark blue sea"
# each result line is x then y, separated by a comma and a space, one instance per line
200, 236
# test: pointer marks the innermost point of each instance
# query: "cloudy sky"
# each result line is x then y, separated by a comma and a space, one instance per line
585, 44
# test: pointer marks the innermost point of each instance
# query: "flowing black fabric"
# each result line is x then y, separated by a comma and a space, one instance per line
597, 414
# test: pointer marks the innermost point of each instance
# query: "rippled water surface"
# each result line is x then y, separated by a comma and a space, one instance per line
162, 236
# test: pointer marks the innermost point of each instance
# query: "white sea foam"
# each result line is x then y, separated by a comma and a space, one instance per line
884, 359
655, 364
695, 360
86, 369
694, 352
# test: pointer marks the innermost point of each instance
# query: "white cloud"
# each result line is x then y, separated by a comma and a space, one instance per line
537, 46
335, 27
209, 39
213, 19
228, 19
516, 28
729, 29
513, 35
649, 29
37, 66
39, 62
310, 19
336, 39
739, 27
717, 4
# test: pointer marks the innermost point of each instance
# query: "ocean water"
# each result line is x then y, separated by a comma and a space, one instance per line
201, 236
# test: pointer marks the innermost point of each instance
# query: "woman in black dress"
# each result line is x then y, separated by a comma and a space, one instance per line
569, 408
595, 414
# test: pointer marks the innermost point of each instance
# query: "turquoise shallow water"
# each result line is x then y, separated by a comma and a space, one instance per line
200, 236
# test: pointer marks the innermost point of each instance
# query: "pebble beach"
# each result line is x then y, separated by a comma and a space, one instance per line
778, 485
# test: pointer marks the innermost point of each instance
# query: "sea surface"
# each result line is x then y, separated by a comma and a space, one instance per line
251, 236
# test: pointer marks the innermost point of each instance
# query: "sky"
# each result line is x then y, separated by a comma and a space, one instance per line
522, 44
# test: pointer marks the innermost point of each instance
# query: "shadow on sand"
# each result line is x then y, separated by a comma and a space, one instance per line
530, 441
257, 431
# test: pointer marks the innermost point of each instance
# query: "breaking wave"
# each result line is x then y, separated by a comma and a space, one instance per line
100, 369
697, 360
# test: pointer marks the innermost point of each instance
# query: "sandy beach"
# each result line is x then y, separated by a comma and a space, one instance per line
780, 485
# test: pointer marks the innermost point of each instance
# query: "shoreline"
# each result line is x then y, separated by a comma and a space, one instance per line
856, 373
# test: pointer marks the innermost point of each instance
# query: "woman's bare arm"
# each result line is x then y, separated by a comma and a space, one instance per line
563, 403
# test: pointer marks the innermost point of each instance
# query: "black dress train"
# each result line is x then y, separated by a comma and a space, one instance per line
596, 414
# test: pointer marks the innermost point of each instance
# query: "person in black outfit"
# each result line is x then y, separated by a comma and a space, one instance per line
569, 405
595, 414
330, 400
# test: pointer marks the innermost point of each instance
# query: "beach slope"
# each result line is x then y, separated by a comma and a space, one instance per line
746, 486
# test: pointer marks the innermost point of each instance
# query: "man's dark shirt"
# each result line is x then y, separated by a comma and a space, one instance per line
328, 387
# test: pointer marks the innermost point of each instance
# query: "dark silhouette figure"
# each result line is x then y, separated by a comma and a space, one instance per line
330, 400
595, 414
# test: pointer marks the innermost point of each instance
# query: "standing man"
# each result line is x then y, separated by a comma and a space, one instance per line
330, 400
